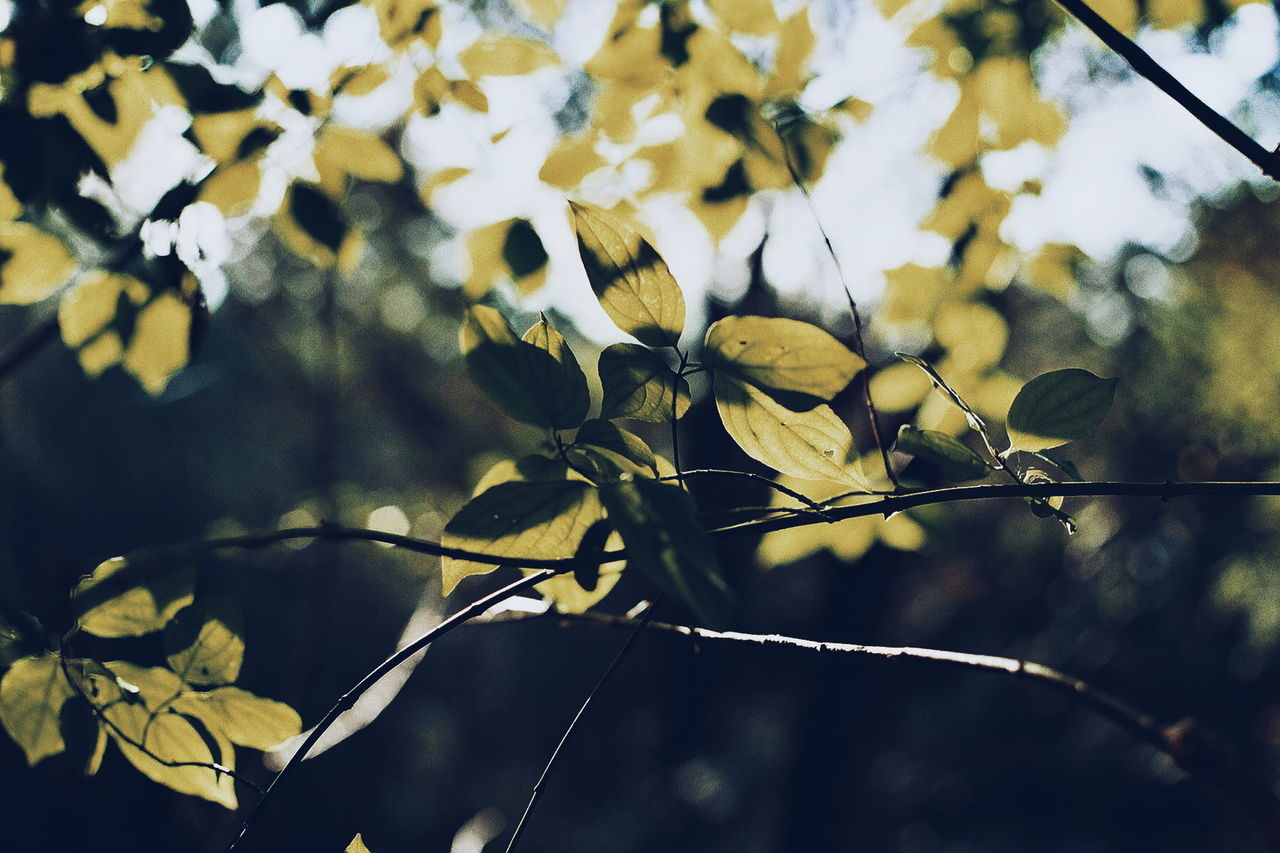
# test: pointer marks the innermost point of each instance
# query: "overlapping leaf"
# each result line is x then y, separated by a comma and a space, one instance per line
613, 451
957, 461
796, 362
1058, 407
134, 596
202, 642
32, 694
638, 384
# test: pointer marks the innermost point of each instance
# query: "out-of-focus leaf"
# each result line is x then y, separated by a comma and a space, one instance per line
812, 445
160, 345
32, 694
664, 539
134, 596
343, 152
499, 55
638, 384
544, 520
313, 226
1058, 407
781, 355
976, 423
202, 642
957, 461
32, 263
629, 278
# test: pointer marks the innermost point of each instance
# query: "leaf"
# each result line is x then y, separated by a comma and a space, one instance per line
628, 277
638, 384
535, 384
812, 445
1058, 407
167, 739
543, 520
613, 451
956, 460
21, 635
559, 379
357, 845
161, 342
32, 694
497, 55
242, 717
32, 263
660, 528
776, 354
202, 642
129, 597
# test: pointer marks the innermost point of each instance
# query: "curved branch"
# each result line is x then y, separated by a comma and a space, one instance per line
471, 611
1141, 62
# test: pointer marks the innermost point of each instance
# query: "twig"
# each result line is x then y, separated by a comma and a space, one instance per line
1141, 62
1199, 754
748, 475
555, 754
349, 698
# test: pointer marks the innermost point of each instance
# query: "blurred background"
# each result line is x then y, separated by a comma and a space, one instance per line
1005, 198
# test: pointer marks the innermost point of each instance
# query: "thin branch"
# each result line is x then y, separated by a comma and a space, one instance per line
344, 703
1141, 62
757, 478
1200, 755
555, 754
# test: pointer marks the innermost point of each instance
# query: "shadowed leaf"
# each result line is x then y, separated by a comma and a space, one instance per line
638, 384
1058, 407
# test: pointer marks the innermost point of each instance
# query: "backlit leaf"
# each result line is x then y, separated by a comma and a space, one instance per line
32, 694
202, 642
613, 451
664, 539
242, 717
957, 461
638, 384
630, 279
171, 751
777, 354
160, 345
559, 379
129, 598
519, 519
357, 845
812, 445
1058, 407
32, 263
497, 55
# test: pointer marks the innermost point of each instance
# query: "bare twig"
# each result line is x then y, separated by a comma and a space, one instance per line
349, 698
1141, 62
555, 754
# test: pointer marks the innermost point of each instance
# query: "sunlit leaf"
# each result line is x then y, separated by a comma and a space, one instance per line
529, 383
242, 717
168, 749
812, 445
1058, 407
343, 152
756, 17
10, 206
630, 279
957, 461
776, 354
202, 642
613, 451
32, 694
160, 345
540, 520
638, 384
32, 263
544, 13
357, 845
498, 55
664, 539
312, 225
21, 635
129, 598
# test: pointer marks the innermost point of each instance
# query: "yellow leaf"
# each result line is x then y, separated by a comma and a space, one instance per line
496, 55
544, 13
242, 717
975, 334
160, 345
102, 352
756, 17
912, 293
812, 445
172, 752
630, 52
10, 207
364, 80
1121, 14
233, 188
357, 845
90, 305
344, 151
781, 354
402, 22
899, 388
795, 44
32, 694
571, 161
469, 95
32, 263
119, 601
219, 134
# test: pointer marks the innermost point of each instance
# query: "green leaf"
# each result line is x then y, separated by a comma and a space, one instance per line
664, 539
32, 694
780, 355
1058, 407
629, 278
242, 717
561, 377
976, 423
202, 642
613, 451
957, 461
812, 445
134, 595
543, 520
538, 384
638, 384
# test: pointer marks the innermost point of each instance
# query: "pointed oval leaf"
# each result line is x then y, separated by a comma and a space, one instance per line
659, 526
638, 384
540, 385
812, 445
357, 845
1058, 407
628, 277
167, 748
613, 451
956, 460
32, 694
202, 642
543, 520
778, 354
242, 717
129, 597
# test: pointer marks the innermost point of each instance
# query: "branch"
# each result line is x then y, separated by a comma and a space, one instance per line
349, 698
1141, 62
1198, 753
